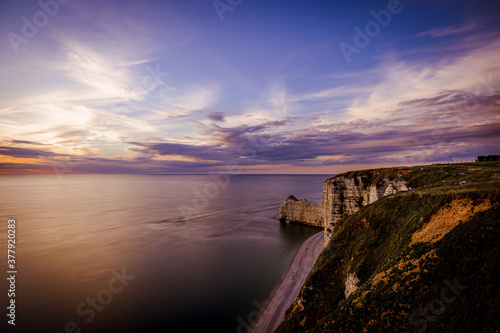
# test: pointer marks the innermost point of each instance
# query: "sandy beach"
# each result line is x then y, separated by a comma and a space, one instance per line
289, 287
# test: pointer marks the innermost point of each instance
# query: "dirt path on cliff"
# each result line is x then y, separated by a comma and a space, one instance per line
290, 285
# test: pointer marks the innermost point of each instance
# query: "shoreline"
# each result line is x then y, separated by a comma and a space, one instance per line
288, 288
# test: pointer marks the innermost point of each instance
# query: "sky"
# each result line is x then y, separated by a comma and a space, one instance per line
258, 87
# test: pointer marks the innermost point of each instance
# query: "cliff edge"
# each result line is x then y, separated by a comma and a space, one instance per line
344, 195
410, 261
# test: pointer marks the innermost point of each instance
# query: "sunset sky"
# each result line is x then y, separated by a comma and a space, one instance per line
270, 86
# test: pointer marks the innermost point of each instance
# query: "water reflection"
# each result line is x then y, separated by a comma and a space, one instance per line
190, 276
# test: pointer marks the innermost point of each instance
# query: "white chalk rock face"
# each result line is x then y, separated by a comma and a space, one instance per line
351, 284
343, 195
301, 211
390, 190
373, 196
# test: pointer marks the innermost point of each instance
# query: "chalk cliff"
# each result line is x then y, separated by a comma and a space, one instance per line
414, 261
344, 195
301, 211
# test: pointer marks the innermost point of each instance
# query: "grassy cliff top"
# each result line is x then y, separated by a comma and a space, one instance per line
424, 260
443, 176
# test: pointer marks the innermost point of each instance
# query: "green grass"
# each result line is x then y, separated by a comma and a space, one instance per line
377, 237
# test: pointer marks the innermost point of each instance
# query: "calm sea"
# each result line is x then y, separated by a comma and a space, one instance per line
147, 253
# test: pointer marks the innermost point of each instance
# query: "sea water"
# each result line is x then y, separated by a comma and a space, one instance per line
147, 253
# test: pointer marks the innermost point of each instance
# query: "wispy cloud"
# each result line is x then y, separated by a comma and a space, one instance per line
403, 81
450, 30
174, 101
444, 131
25, 153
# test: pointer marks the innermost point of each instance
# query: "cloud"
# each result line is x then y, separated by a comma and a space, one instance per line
442, 130
103, 76
342, 90
477, 72
24, 142
194, 97
25, 153
93, 100
216, 116
206, 152
450, 30
272, 104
